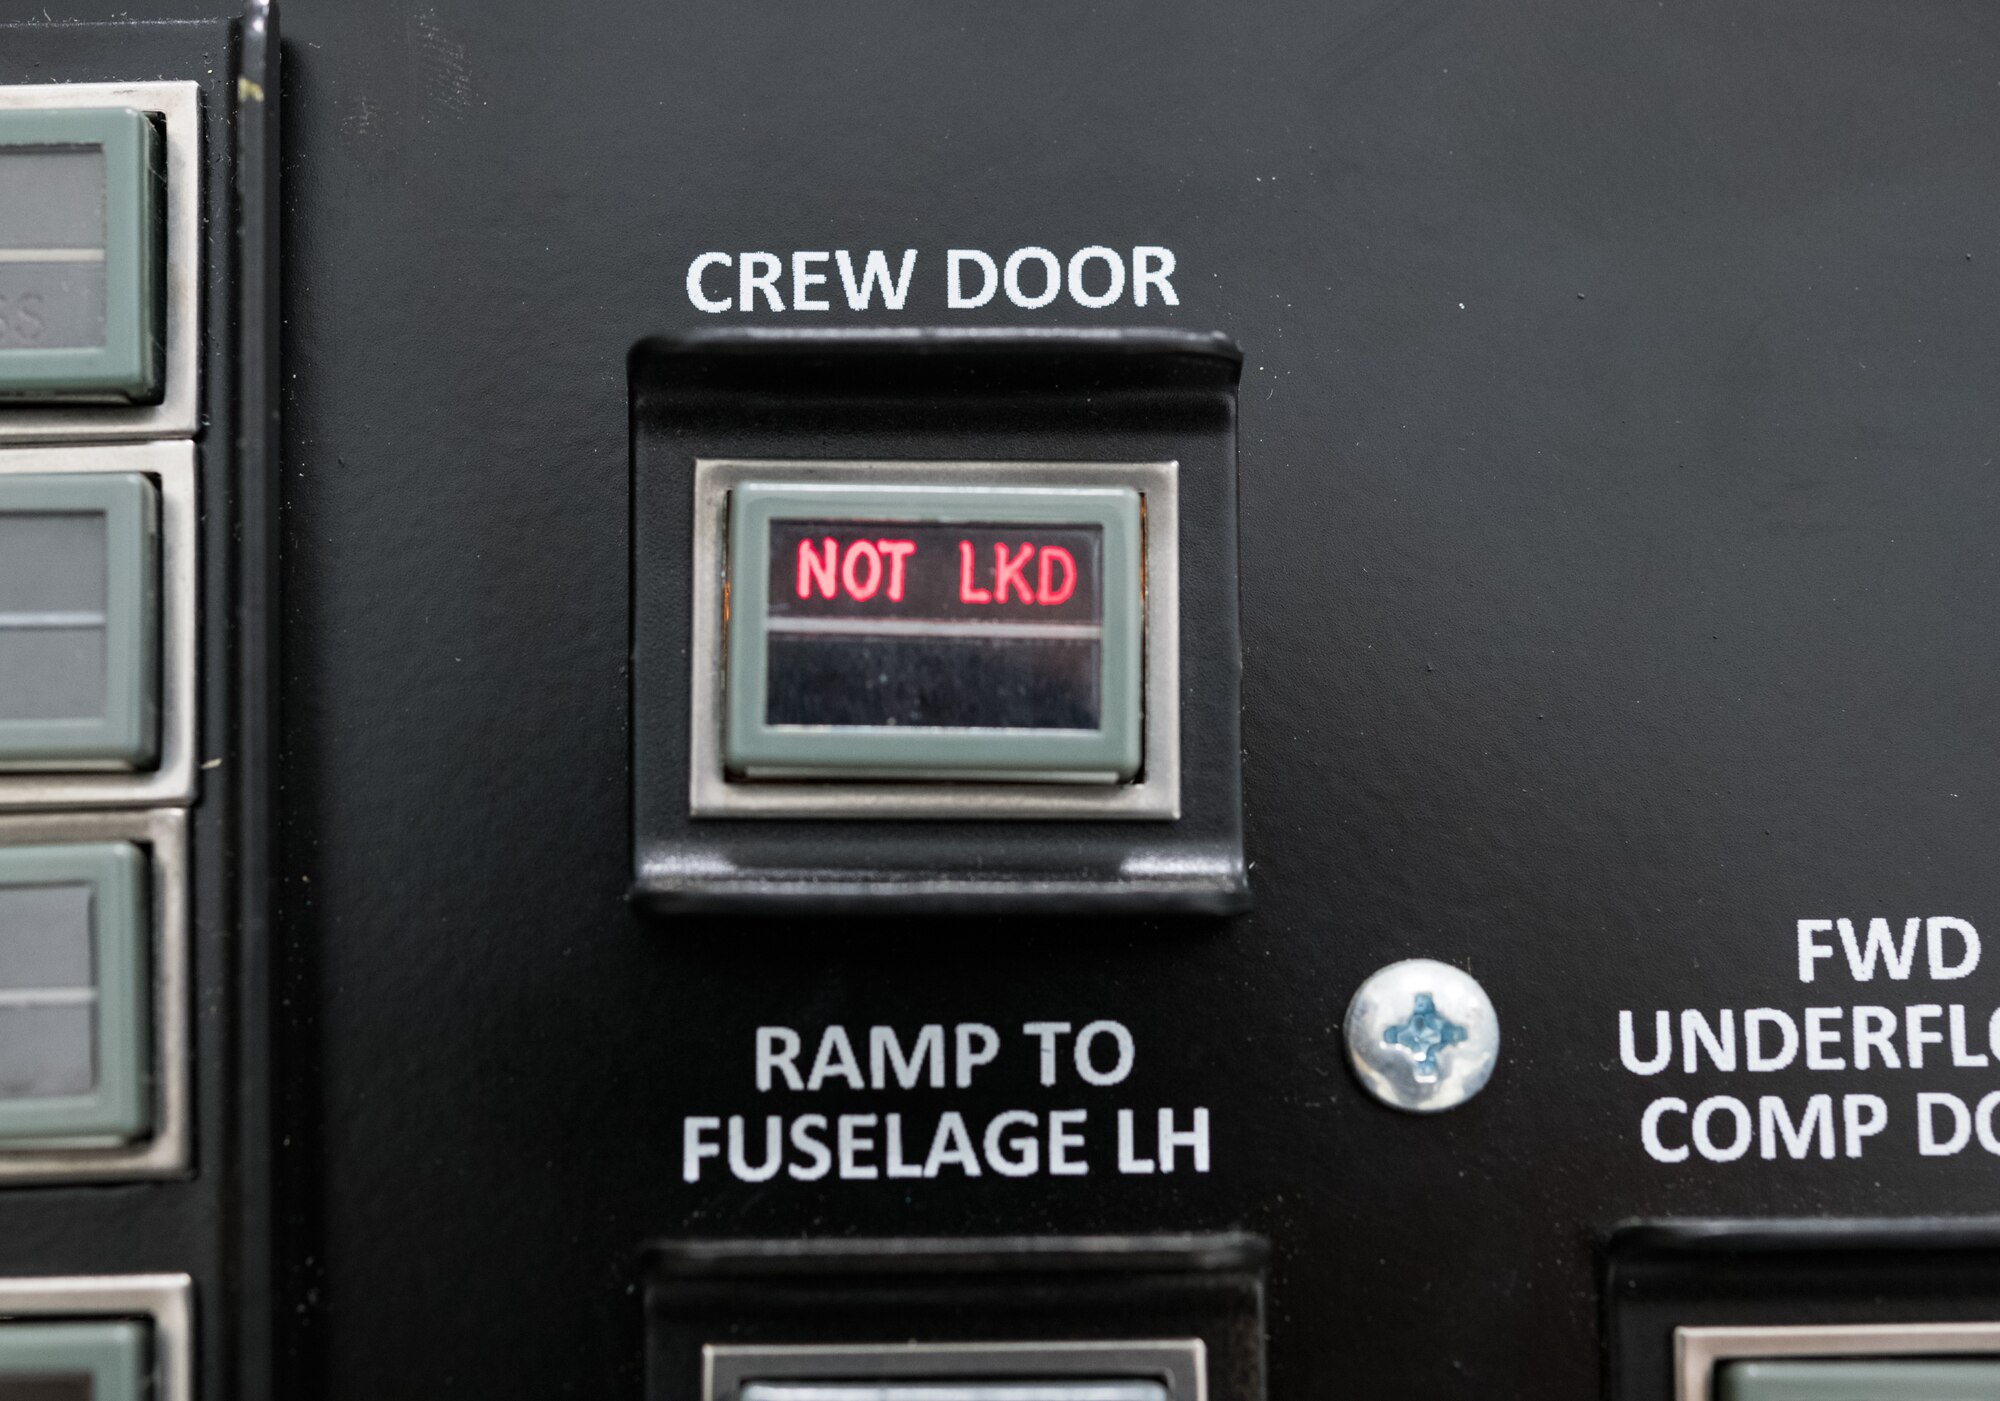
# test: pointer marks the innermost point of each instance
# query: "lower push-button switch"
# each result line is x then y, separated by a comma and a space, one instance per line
95, 1361
1859, 1379
73, 995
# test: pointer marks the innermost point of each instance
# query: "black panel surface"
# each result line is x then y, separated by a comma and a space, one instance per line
1617, 455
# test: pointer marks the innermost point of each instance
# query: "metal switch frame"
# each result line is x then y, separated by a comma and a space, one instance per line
171, 779
167, 1148
165, 1301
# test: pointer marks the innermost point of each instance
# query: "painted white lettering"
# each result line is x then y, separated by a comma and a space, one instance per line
695, 1145
978, 1044
774, 1150
805, 1137
1129, 1161
1194, 1139
1875, 1030
894, 1165
1858, 1127
1819, 1036
1935, 929
1047, 1032
804, 280
1663, 1044
956, 297
778, 1049
1151, 267
1982, 1119
1810, 949
1051, 273
885, 1053
1649, 1130
696, 293
1115, 277
1962, 1055
1696, 1034
1018, 1156
1755, 1057
1061, 1164
1120, 1037
758, 272
1929, 1144
835, 1057
1704, 1119
1774, 1122
1916, 1035
853, 1145
1861, 960
951, 1144
874, 274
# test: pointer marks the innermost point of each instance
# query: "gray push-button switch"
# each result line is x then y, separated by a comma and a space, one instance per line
79, 628
73, 979
95, 1361
1860, 1379
80, 255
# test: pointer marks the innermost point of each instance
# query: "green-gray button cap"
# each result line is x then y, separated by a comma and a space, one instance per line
1860, 1379
81, 276
95, 1361
79, 624
74, 1030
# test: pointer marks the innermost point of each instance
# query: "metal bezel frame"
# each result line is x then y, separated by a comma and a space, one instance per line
178, 412
165, 1300
1698, 1350
166, 1151
125, 738
172, 779
1181, 1363
1156, 793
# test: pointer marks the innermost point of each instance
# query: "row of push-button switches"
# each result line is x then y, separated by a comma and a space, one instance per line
85, 900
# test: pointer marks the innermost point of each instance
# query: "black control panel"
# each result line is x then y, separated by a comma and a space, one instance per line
933, 702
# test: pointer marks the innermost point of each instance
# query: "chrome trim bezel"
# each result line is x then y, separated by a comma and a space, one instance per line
171, 465
167, 1151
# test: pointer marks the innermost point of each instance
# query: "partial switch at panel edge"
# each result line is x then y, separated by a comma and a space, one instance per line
97, 1360
1859, 1379
82, 254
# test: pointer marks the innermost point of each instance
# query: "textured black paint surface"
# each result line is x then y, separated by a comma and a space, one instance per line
1618, 492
